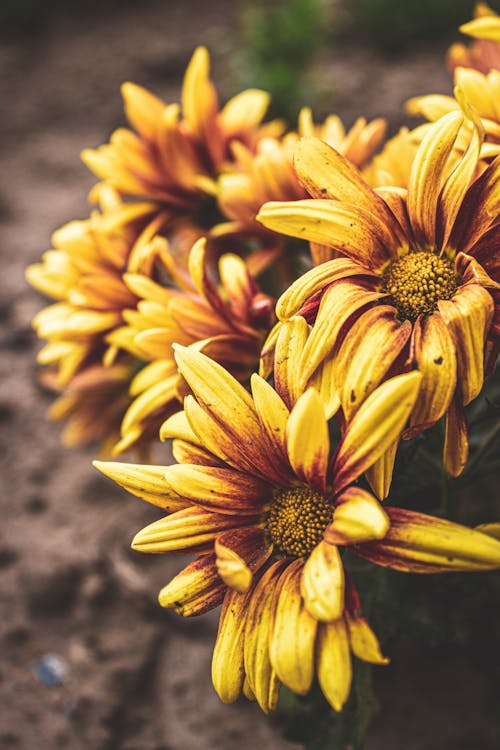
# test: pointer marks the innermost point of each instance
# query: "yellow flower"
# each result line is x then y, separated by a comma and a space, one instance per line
416, 286
84, 273
267, 504
228, 322
392, 166
177, 151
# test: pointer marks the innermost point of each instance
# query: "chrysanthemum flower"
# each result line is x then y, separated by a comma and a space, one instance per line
84, 273
484, 54
392, 166
267, 503
266, 173
228, 321
417, 282
177, 151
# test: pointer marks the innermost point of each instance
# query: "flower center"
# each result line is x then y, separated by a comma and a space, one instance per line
417, 281
297, 520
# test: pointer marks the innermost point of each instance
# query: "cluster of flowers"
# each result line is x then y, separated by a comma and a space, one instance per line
285, 417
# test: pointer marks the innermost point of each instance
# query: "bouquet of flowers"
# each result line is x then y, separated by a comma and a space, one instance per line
304, 315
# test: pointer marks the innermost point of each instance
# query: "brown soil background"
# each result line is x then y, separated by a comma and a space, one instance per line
139, 677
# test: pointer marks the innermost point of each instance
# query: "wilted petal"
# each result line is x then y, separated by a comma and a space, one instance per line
456, 443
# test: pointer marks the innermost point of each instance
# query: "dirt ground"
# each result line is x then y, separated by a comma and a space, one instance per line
137, 677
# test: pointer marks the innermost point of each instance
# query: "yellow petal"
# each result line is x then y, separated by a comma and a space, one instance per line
333, 663
272, 414
260, 673
218, 489
314, 281
293, 634
227, 662
428, 174
244, 110
417, 543
375, 427
195, 590
379, 475
364, 642
240, 553
344, 227
433, 352
290, 342
484, 27
308, 441
468, 315
322, 583
144, 481
358, 517
184, 530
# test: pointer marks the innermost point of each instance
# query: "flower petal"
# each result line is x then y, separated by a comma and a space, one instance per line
456, 442
185, 530
418, 543
240, 553
322, 583
145, 481
308, 441
228, 670
379, 476
195, 590
369, 349
433, 352
364, 642
292, 337
218, 489
327, 174
345, 227
315, 281
358, 517
293, 634
260, 673
273, 416
333, 663
375, 427
340, 301
468, 315
427, 176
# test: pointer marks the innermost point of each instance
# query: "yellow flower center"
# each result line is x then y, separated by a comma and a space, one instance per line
417, 281
297, 520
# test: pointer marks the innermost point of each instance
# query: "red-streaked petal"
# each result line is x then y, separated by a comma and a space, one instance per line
468, 316
308, 441
195, 590
228, 669
456, 443
418, 543
358, 517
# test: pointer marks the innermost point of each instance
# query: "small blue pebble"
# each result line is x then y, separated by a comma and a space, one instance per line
51, 670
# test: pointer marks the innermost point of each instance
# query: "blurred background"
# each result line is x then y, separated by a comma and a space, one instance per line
91, 661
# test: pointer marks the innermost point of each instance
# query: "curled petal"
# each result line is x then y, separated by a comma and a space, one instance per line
333, 662
358, 517
418, 543
195, 590
290, 344
375, 427
314, 281
308, 441
322, 583
240, 553
177, 426
293, 634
